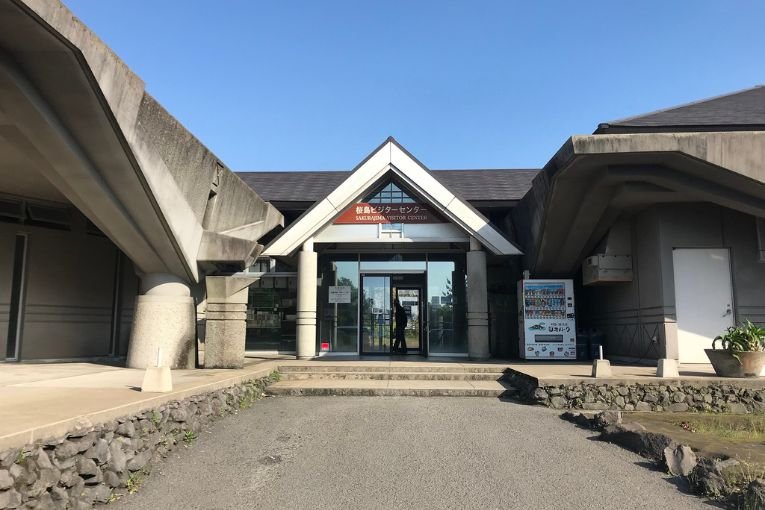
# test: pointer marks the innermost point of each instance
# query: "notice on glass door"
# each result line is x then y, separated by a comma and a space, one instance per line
340, 294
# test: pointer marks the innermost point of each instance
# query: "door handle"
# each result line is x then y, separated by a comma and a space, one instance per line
728, 311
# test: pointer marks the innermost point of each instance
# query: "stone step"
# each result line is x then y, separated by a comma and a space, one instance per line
389, 388
392, 376
386, 367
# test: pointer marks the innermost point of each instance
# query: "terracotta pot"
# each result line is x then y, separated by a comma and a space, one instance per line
748, 364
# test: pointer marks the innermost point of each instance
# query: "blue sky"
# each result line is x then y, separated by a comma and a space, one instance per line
316, 85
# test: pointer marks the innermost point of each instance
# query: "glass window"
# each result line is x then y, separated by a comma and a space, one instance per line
338, 299
390, 194
271, 314
447, 332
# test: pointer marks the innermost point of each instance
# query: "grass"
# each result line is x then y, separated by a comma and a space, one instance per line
189, 436
733, 428
134, 482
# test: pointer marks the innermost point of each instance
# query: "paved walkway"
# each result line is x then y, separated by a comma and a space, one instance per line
336, 452
39, 401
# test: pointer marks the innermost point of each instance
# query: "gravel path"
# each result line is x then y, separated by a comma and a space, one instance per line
397, 452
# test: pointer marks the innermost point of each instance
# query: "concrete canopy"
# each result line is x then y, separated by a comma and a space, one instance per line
390, 159
593, 180
80, 125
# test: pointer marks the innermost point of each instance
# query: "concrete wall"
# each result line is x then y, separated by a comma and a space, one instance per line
7, 244
639, 318
68, 293
632, 314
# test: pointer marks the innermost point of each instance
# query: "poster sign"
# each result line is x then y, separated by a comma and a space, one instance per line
364, 213
340, 294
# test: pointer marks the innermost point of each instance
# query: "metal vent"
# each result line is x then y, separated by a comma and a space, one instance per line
12, 208
47, 214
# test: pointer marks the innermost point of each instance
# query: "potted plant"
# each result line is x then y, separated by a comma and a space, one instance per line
742, 353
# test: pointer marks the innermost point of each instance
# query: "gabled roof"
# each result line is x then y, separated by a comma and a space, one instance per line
738, 111
390, 160
472, 185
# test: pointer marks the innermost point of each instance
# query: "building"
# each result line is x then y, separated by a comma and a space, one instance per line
123, 236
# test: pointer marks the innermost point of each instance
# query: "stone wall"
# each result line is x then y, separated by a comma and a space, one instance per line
95, 463
674, 396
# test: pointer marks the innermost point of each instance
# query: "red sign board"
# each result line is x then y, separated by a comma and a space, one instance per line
388, 213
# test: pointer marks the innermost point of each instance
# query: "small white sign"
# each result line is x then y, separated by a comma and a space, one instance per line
340, 294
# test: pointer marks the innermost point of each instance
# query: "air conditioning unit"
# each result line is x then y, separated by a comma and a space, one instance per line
600, 269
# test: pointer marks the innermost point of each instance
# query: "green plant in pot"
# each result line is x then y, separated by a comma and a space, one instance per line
742, 352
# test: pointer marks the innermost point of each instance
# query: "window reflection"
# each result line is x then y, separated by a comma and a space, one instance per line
338, 305
446, 303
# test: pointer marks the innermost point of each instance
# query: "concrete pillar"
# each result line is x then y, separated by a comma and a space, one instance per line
306, 302
164, 319
226, 320
477, 303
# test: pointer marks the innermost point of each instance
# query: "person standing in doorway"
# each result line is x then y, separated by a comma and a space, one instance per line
401, 320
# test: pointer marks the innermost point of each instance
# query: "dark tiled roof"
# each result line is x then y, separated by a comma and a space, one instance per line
473, 185
740, 110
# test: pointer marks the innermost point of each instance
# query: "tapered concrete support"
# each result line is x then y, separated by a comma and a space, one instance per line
477, 303
226, 320
667, 368
306, 302
164, 319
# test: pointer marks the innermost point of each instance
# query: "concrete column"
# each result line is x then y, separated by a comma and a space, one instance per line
477, 303
306, 302
226, 320
164, 319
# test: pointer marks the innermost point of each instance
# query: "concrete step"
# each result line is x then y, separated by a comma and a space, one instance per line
415, 375
393, 368
391, 388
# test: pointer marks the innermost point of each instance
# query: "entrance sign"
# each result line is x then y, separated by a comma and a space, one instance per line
340, 294
365, 213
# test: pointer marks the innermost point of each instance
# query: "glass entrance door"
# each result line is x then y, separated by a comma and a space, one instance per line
376, 317
411, 299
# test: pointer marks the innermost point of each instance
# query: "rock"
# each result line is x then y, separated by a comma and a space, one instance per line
49, 477
69, 478
736, 408
59, 494
126, 429
754, 496
118, 460
10, 499
679, 461
558, 402
643, 407
139, 461
98, 493
25, 472
6, 480
180, 415
42, 460
86, 467
577, 418
8, 457
66, 450
44, 502
84, 442
81, 428
114, 480
678, 407
636, 438
678, 396
99, 452
606, 418
31, 491
595, 406
708, 477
